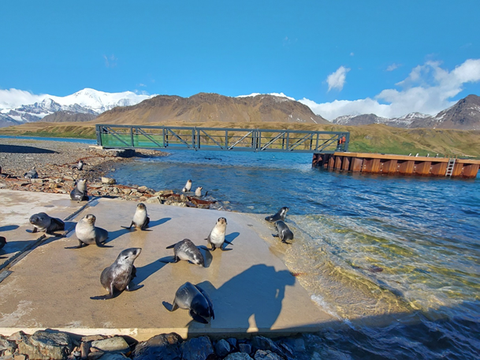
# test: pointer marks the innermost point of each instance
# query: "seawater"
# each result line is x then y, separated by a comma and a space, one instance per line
397, 259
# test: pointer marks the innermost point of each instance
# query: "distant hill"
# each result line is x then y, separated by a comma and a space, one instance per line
464, 115
207, 107
69, 116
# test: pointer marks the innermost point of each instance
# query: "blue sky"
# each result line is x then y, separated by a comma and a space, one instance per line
387, 57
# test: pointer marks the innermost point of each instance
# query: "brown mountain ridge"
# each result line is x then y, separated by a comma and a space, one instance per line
208, 107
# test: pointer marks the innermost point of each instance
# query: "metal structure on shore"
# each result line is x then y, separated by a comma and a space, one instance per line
226, 139
389, 164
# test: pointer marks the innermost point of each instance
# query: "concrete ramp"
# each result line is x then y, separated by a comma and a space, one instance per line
251, 289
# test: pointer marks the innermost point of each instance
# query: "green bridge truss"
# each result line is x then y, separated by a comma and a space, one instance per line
200, 138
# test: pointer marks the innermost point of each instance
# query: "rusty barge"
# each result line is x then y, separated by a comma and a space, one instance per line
389, 164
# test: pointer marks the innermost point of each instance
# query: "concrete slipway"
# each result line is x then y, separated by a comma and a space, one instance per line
50, 286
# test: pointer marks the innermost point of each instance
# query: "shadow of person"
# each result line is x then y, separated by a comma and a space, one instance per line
251, 300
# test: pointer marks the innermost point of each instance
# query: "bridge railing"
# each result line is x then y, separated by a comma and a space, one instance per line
204, 138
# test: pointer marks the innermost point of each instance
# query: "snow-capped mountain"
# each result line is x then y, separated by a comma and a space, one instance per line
464, 115
86, 101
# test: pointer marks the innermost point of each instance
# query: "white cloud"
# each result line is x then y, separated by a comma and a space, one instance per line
393, 67
14, 98
427, 89
336, 80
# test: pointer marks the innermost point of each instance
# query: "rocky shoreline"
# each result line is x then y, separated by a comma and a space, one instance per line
54, 162
53, 344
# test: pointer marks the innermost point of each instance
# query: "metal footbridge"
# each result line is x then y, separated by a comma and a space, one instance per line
226, 139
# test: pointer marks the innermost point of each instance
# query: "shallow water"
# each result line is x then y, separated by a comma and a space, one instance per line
366, 247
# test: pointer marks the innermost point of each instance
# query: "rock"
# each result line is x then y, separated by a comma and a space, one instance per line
153, 200
222, 348
126, 191
163, 346
197, 348
7, 347
47, 344
143, 189
116, 343
263, 343
37, 181
266, 355
245, 348
238, 356
232, 342
112, 356
164, 193
109, 181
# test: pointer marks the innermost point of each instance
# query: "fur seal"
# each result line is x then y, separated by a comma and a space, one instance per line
193, 298
198, 191
79, 165
216, 238
3, 241
118, 276
284, 233
186, 250
32, 174
45, 223
187, 186
140, 218
280, 215
87, 233
79, 193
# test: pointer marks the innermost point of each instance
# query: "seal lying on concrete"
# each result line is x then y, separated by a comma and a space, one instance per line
280, 215
216, 238
87, 233
45, 223
284, 233
140, 218
186, 250
79, 193
187, 186
193, 298
32, 174
118, 276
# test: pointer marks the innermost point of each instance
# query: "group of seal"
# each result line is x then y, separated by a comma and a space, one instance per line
188, 188
283, 231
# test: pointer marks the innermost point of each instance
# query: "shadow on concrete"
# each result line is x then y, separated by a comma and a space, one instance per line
9, 227
158, 222
17, 149
251, 299
144, 272
112, 235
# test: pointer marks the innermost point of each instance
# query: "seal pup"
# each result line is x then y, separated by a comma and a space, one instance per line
280, 215
79, 193
45, 223
187, 186
79, 165
118, 276
194, 299
87, 233
284, 233
32, 174
216, 238
140, 218
187, 250
198, 191
3, 241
